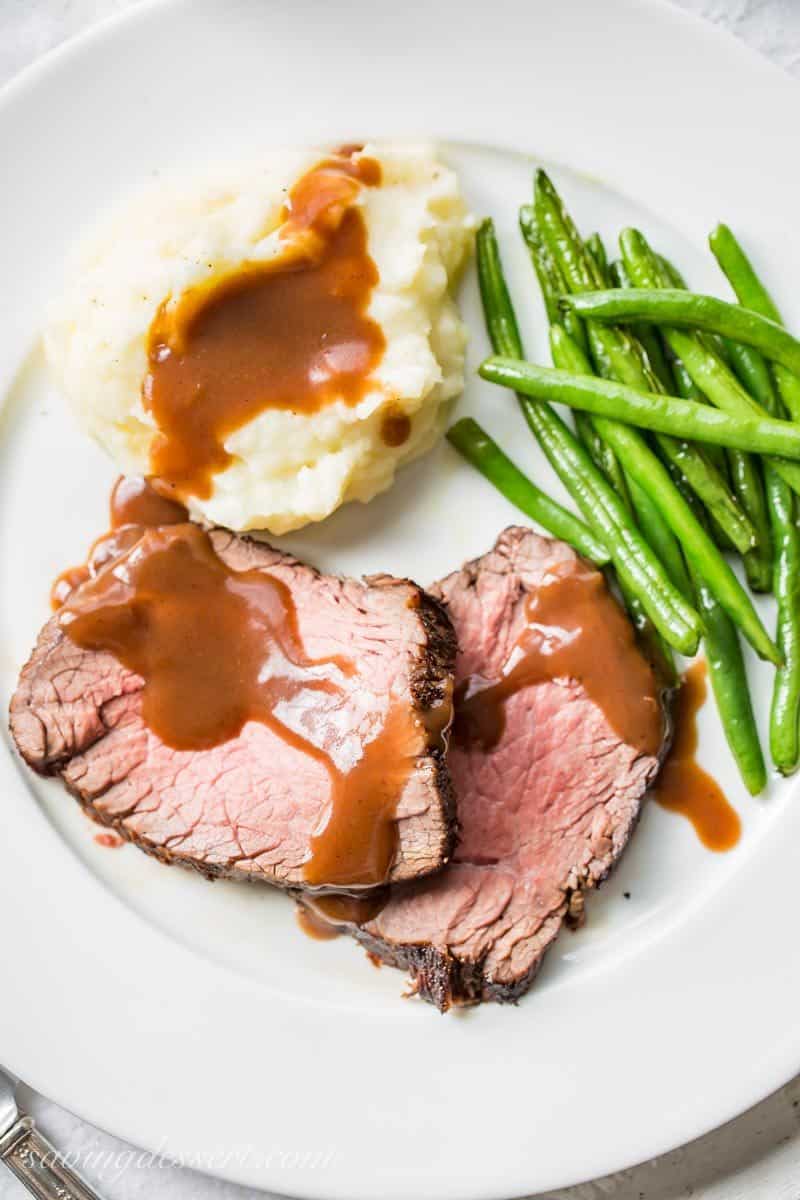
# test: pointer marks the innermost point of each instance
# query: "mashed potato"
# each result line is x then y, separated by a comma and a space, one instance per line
287, 468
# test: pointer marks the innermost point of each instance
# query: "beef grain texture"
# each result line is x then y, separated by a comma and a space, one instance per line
543, 816
248, 808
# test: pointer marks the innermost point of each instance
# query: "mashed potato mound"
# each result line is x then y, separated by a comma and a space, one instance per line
288, 468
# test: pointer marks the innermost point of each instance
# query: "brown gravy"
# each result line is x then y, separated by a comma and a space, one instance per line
134, 506
325, 917
217, 648
575, 630
395, 429
316, 927
65, 583
135, 501
290, 334
683, 786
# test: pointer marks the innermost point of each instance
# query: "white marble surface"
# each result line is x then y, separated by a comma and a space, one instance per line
756, 1157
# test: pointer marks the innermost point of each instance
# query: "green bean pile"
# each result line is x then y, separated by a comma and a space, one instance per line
685, 450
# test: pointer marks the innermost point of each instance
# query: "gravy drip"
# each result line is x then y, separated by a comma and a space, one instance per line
574, 630
292, 333
683, 786
134, 506
326, 917
135, 501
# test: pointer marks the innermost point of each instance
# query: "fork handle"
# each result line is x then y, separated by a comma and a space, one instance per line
38, 1165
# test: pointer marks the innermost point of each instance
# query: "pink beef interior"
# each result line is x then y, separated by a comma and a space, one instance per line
543, 816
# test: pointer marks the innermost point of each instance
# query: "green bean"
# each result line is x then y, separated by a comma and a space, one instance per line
700, 473
603, 456
713, 377
638, 569
595, 247
647, 410
752, 294
728, 674
615, 353
785, 711
685, 388
647, 337
648, 270
642, 465
552, 286
548, 273
726, 392
748, 485
479, 449
719, 500
498, 311
729, 681
754, 374
568, 355
671, 273
653, 526
646, 469
749, 289
688, 309
684, 384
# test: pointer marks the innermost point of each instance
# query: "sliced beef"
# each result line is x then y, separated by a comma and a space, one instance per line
249, 807
544, 814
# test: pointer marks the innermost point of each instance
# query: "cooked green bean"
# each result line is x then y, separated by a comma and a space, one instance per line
615, 352
724, 390
552, 286
594, 244
729, 681
715, 380
548, 273
754, 375
638, 569
727, 671
652, 525
702, 476
642, 465
647, 410
748, 486
479, 449
602, 456
785, 712
568, 354
660, 271
751, 293
647, 337
751, 369
688, 309
648, 270
719, 500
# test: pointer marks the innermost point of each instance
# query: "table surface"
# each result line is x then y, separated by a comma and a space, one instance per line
756, 1156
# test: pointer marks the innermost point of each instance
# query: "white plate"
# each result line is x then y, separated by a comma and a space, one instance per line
195, 1019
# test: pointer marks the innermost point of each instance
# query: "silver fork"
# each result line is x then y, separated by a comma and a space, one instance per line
34, 1161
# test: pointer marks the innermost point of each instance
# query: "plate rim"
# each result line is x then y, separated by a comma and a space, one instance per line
774, 1073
